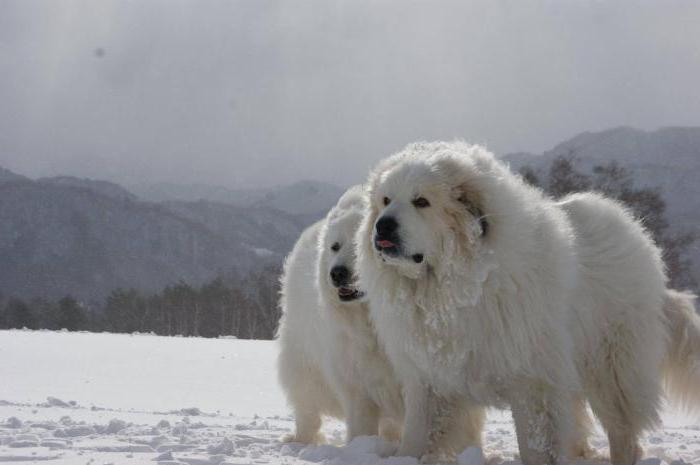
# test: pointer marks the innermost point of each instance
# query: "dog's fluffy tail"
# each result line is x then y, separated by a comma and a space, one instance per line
682, 364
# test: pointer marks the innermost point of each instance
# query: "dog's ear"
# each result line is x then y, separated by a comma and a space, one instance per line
470, 201
457, 175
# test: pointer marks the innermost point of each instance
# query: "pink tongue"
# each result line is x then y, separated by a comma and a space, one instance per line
385, 244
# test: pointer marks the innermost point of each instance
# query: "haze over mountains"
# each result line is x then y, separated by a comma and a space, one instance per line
303, 197
65, 235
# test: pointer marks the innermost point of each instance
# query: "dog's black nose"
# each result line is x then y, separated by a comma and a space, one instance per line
340, 275
386, 225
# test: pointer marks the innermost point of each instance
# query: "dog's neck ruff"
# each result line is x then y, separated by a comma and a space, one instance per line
348, 316
457, 282
439, 309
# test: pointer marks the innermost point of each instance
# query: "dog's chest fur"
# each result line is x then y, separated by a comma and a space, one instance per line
359, 360
479, 349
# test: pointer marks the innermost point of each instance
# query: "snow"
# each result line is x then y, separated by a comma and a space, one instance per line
140, 372
95, 399
471, 456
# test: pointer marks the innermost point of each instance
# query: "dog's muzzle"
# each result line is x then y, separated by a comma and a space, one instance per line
386, 238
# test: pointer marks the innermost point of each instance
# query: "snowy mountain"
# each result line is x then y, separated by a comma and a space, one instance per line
56, 240
168, 191
301, 198
84, 237
265, 230
106, 188
668, 158
7, 176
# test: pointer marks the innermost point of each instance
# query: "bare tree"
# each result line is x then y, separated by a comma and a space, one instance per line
564, 178
647, 204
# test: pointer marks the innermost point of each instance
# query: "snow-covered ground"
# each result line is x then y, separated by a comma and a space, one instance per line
94, 399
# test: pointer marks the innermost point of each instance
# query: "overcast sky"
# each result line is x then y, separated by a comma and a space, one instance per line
250, 93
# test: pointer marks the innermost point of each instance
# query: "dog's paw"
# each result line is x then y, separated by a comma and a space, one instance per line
585, 452
317, 438
287, 438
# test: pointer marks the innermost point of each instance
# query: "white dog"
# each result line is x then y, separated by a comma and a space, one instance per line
481, 288
330, 362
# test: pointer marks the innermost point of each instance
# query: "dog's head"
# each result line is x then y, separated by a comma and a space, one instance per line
336, 273
426, 204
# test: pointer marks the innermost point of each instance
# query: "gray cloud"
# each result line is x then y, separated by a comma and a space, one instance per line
257, 92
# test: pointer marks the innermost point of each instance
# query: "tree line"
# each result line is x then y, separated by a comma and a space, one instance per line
563, 176
226, 306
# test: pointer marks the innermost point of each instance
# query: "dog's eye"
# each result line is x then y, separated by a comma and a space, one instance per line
335, 247
421, 202
386, 201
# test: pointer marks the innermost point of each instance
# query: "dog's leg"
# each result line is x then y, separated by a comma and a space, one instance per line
390, 430
471, 421
416, 421
627, 400
308, 394
622, 431
362, 417
308, 424
542, 416
308, 397
624, 448
455, 425
582, 430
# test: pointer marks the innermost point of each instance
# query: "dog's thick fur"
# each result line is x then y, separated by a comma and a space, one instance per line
329, 361
498, 295
682, 363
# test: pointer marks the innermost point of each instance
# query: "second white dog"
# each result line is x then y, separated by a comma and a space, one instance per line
330, 362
